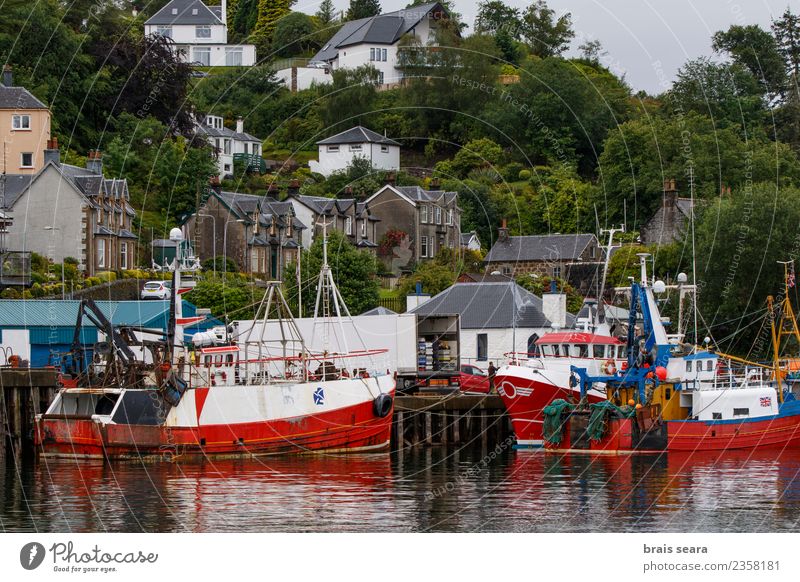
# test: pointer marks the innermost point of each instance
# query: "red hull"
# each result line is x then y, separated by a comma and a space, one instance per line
346, 429
525, 399
774, 432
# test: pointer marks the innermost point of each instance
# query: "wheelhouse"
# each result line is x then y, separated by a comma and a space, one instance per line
579, 345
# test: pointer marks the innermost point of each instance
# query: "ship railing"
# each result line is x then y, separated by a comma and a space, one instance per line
730, 378
311, 367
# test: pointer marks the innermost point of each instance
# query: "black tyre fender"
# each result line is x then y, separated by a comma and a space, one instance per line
382, 405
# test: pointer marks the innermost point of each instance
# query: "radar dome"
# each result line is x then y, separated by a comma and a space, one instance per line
175, 234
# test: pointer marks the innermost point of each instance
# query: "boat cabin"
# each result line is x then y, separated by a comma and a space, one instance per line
694, 368
579, 345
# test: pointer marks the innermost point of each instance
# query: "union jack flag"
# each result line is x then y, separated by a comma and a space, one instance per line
766, 401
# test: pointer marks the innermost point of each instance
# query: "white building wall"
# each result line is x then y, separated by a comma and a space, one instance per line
357, 55
330, 162
305, 215
388, 160
499, 342
306, 77
187, 34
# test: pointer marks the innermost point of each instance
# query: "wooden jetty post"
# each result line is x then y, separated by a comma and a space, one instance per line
453, 419
24, 393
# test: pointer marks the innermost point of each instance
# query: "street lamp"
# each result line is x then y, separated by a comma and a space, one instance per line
214, 230
225, 241
63, 279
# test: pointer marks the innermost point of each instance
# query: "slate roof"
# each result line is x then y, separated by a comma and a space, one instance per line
11, 188
381, 29
244, 206
185, 9
540, 248
225, 132
484, 278
18, 98
489, 305
357, 134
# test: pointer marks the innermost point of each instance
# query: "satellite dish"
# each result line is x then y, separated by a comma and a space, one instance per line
659, 286
176, 234
682, 278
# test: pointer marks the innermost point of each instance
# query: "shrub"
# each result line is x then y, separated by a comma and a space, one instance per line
10, 293
525, 175
106, 276
511, 171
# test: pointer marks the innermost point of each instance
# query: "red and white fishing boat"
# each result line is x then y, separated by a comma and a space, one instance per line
215, 396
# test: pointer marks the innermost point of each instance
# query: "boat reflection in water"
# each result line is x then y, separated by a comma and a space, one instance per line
434, 489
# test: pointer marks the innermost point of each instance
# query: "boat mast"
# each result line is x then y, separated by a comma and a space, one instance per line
600, 317
694, 256
787, 326
328, 292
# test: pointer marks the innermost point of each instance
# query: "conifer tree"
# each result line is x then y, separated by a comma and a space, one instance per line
269, 13
363, 9
326, 13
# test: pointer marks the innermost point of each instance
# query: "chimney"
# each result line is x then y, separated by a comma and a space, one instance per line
435, 185
670, 193
390, 178
273, 190
502, 232
8, 76
213, 183
554, 308
348, 191
94, 163
224, 17
52, 153
239, 125
294, 188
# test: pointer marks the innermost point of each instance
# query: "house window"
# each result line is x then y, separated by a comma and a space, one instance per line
194, 11
348, 225
174, 10
438, 215
227, 146
101, 253
506, 270
450, 216
423, 216
380, 78
255, 149
372, 54
202, 55
591, 252
165, 31
26, 160
202, 31
21, 122
226, 167
483, 347
423, 246
364, 228
233, 57
216, 143
383, 51
385, 149
245, 147
556, 272
333, 148
355, 148
123, 255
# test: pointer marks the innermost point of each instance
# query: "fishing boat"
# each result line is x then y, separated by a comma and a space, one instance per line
215, 394
690, 403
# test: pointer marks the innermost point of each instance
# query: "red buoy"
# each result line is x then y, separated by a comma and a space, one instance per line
661, 373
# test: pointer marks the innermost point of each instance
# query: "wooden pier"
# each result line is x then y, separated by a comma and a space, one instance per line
25, 392
449, 420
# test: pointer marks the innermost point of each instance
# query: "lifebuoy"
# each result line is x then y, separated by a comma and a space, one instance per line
382, 405
609, 367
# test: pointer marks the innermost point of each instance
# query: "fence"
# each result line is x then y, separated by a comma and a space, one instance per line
396, 304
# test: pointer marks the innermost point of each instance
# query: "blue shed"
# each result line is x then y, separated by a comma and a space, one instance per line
51, 323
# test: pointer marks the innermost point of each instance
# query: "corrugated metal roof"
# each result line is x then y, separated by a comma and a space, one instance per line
15, 313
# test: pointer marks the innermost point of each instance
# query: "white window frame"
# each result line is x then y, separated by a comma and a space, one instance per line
423, 214
348, 225
332, 149
372, 53
205, 51
380, 78
234, 57
438, 213
423, 246
123, 255
450, 217
364, 228
227, 146
385, 149
204, 28
355, 148
21, 122
383, 54
557, 272
101, 253
22, 163
164, 30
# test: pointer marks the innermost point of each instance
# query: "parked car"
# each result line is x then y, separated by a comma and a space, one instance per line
157, 290
474, 379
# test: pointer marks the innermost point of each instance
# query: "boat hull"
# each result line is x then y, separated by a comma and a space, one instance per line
343, 427
525, 393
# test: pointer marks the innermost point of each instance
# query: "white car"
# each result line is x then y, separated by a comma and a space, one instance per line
157, 290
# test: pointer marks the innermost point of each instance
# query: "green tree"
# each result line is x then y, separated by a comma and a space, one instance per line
545, 34
244, 20
755, 49
351, 95
434, 277
326, 13
353, 270
226, 297
559, 201
541, 284
294, 34
363, 9
495, 16
787, 34
270, 12
476, 154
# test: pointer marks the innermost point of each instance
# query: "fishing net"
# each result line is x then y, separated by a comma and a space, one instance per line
553, 428
597, 420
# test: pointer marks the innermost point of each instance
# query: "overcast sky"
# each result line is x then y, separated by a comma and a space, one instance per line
646, 40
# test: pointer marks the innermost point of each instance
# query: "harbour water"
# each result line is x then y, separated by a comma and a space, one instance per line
426, 490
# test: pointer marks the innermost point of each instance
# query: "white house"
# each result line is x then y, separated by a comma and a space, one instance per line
228, 143
470, 241
200, 34
338, 152
497, 318
375, 40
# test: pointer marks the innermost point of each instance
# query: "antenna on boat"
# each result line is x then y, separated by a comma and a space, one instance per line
787, 316
600, 317
694, 254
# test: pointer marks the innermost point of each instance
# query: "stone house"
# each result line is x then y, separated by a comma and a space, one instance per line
576, 258
351, 218
422, 221
669, 222
69, 211
261, 234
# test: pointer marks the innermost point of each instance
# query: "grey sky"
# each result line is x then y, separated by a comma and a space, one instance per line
638, 33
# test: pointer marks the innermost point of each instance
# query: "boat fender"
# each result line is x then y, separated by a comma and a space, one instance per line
382, 405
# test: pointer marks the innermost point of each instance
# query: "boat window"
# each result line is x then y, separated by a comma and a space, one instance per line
207, 361
229, 359
547, 350
583, 351
565, 350
716, 416
621, 352
741, 412
710, 365
599, 350
688, 365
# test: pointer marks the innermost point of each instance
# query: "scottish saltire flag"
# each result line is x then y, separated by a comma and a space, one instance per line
319, 396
